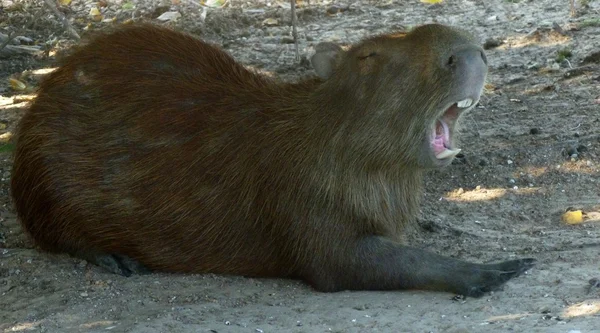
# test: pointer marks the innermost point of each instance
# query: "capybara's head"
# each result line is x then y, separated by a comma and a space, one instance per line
403, 93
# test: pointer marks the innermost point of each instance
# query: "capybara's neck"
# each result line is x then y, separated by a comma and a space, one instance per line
320, 148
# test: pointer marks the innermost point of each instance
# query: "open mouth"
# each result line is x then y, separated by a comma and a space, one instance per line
441, 134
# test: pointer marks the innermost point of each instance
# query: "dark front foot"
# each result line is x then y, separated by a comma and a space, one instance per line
376, 263
477, 280
115, 263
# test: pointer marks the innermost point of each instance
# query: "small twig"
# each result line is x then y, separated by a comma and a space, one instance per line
576, 127
294, 29
15, 50
569, 63
593, 283
11, 35
63, 19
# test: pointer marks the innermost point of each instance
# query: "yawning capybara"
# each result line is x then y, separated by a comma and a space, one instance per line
150, 149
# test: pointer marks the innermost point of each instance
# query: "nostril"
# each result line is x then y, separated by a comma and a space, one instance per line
484, 58
452, 61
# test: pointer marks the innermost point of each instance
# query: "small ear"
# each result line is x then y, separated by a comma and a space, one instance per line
324, 60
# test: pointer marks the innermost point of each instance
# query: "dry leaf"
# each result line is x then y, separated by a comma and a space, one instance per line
95, 14
17, 85
214, 3
431, 1
169, 16
573, 217
270, 22
64, 2
128, 6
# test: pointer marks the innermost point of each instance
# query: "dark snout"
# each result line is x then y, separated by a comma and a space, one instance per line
469, 65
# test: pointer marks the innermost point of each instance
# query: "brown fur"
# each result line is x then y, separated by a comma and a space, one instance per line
155, 145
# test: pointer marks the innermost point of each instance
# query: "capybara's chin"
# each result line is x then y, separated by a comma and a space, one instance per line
148, 149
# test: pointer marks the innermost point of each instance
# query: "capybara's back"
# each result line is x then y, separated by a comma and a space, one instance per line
138, 145
150, 149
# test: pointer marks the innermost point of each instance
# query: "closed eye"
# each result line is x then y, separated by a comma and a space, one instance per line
372, 54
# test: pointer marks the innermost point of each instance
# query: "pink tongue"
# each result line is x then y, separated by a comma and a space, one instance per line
440, 140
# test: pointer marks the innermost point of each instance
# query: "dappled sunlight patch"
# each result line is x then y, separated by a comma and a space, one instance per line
14, 106
43, 71
16, 101
478, 194
5, 137
6, 100
535, 171
589, 307
582, 166
23, 327
539, 37
97, 324
592, 217
485, 194
510, 316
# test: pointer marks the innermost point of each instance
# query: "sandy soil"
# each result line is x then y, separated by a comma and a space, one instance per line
531, 150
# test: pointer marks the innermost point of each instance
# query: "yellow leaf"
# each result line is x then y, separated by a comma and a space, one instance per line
17, 85
214, 3
65, 2
270, 21
128, 6
431, 1
95, 14
573, 217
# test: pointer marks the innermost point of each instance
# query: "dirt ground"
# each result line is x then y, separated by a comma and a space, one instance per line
531, 150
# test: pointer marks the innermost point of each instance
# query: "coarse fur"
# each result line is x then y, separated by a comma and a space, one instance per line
153, 145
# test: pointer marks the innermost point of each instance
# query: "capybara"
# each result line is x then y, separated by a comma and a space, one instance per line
148, 149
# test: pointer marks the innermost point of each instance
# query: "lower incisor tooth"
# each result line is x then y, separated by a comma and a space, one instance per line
447, 153
464, 103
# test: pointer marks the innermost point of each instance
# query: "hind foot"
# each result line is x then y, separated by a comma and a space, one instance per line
115, 263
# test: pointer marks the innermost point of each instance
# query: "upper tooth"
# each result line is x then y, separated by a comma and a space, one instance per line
465, 103
447, 153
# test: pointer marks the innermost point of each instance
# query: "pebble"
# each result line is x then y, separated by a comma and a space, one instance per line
554, 67
572, 151
169, 16
287, 40
491, 43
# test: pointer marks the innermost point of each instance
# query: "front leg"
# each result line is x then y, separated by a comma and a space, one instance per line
376, 263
